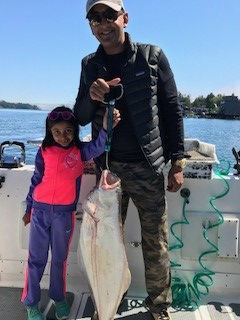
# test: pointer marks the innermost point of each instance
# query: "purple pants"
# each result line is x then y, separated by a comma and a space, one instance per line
48, 228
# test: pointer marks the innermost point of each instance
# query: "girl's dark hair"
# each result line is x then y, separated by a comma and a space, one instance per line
48, 140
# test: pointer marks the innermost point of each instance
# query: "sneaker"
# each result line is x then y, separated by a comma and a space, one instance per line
162, 315
62, 309
34, 313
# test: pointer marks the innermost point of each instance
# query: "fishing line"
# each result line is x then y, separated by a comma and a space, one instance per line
115, 93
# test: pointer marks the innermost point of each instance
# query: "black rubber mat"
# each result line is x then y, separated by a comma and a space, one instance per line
235, 308
134, 310
217, 311
11, 307
125, 310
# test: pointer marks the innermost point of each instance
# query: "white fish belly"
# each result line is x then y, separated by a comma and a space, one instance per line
104, 257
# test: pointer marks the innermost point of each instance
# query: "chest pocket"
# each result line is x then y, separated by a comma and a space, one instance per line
139, 74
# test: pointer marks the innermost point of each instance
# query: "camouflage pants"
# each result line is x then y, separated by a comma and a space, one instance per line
146, 189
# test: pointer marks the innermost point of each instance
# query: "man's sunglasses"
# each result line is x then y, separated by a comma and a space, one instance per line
95, 19
66, 115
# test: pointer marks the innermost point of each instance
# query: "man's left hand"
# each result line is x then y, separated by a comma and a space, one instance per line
175, 179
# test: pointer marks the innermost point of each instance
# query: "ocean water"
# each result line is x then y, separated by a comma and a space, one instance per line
24, 125
224, 134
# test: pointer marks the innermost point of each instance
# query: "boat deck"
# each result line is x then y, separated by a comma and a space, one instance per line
131, 309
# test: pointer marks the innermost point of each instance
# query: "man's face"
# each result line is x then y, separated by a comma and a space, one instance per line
109, 34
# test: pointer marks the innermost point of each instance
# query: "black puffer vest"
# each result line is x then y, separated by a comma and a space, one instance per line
142, 79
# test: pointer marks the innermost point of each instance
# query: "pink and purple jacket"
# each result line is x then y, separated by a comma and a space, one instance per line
57, 176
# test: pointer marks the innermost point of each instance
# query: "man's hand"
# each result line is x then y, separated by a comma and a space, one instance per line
100, 87
175, 179
116, 118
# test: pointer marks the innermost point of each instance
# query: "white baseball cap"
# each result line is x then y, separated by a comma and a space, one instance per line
116, 5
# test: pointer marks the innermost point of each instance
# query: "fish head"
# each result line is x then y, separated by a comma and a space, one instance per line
109, 189
109, 181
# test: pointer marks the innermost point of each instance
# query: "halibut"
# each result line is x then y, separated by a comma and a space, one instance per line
102, 249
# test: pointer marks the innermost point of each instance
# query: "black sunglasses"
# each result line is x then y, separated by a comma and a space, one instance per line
95, 19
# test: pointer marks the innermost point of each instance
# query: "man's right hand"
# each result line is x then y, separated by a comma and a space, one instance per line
100, 87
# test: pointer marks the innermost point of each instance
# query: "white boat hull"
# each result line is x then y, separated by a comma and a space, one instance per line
225, 263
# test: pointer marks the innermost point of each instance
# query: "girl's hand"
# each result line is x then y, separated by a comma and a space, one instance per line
116, 118
26, 219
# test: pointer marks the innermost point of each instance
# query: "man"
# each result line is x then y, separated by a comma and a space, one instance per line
149, 134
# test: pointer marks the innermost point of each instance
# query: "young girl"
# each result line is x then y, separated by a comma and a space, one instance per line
51, 202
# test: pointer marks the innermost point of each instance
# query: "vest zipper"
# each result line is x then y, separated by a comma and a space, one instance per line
146, 157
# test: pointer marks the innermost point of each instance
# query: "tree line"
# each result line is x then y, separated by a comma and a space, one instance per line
11, 105
211, 102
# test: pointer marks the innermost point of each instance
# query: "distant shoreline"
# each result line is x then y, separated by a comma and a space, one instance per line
25, 106
30, 109
213, 116
188, 116
17, 106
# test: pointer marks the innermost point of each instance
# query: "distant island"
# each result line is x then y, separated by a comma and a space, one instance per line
11, 105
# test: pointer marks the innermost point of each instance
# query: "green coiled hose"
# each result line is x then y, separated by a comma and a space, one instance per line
186, 296
178, 245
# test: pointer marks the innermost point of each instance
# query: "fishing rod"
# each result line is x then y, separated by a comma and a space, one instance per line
115, 93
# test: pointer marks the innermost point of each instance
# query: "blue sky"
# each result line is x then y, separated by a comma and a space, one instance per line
42, 44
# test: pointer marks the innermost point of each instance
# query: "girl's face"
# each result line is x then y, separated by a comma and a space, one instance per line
63, 133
